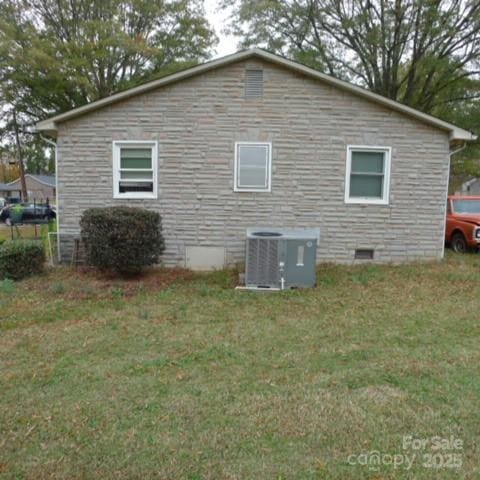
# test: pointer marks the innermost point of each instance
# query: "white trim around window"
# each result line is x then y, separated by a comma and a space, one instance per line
382, 199
142, 177
265, 170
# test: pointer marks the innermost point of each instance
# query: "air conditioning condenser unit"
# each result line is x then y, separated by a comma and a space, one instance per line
280, 258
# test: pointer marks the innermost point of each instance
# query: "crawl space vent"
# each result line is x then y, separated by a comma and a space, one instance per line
254, 84
364, 254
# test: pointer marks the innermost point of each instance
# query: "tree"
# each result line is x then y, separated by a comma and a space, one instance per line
38, 157
410, 50
9, 170
464, 112
60, 54
424, 53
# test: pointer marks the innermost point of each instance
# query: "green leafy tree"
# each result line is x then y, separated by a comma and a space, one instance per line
37, 157
410, 51
60, 54
464, 110
421, 53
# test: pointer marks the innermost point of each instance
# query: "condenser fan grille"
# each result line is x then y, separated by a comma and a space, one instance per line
262, 262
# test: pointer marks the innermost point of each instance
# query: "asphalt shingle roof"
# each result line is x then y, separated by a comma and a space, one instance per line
49, 179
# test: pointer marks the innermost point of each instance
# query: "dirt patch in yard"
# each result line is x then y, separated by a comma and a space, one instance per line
88, 283
151, 278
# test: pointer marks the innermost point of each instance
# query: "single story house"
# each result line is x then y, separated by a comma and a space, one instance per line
39, 187
255, 139
470, 187
7, 191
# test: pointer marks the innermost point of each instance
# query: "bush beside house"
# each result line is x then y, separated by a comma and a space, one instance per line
21, 258
122, 239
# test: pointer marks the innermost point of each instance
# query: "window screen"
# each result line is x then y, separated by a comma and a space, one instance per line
367, 174
252, 167
135, 170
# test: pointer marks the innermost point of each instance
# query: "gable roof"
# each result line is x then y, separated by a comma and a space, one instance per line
6, 187
470, 182
45, 179
49, 126
48, 180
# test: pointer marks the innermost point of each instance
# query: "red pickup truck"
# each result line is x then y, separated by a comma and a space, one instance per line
463, 223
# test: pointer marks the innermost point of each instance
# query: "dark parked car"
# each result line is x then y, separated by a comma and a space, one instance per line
27, 213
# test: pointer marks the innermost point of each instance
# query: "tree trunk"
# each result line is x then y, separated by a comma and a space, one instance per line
20, 159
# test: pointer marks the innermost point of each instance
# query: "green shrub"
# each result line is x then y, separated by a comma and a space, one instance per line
123, 239
21, 258
2, 240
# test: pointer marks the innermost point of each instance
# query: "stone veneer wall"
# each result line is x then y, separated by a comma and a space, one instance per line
197, 122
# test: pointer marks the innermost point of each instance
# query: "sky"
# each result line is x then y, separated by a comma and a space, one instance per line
226, 43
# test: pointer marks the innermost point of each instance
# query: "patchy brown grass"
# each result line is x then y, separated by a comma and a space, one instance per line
21, 231
176, 375
88, 283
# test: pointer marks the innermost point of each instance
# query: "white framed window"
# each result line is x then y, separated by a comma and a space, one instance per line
368, 174
135, 169
253, 166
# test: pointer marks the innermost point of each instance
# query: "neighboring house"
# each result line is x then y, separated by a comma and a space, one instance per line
471, 187
7, 191
254, 139
39, 187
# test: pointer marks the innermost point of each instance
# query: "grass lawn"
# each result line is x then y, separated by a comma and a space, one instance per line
22, 231
178, 376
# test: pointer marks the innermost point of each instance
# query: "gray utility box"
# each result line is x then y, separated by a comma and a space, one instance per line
279, 258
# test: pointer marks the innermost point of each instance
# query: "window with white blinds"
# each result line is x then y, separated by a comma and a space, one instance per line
135, 169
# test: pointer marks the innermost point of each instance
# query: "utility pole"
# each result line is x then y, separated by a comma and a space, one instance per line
20, 158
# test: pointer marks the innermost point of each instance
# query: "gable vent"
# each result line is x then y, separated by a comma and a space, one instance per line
254, 84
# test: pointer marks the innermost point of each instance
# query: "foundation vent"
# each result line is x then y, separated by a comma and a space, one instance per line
364, 254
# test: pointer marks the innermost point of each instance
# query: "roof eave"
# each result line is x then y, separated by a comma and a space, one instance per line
458, 134
47, 127
455, 133
43, 182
